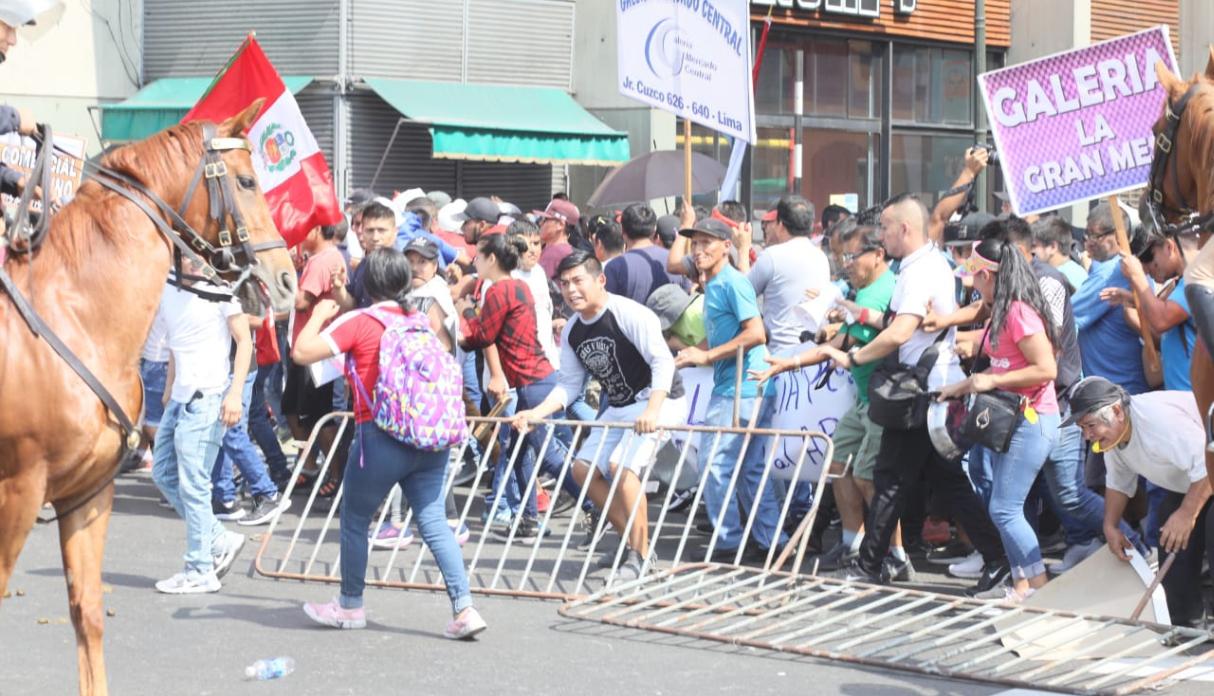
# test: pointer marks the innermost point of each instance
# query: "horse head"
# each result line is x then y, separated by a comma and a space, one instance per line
1187, 182
204, 171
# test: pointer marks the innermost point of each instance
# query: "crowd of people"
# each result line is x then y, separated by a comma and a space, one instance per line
551, 315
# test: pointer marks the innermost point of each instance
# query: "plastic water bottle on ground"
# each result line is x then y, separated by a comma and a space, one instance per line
266, 670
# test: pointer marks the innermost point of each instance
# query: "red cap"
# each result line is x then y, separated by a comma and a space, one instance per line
496, 229
562, 210
769, 216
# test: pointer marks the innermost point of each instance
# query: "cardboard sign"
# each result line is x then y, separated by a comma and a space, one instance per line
67, 165
691, 58
800, 405
1077, 125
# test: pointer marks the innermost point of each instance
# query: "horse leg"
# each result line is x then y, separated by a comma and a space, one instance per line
1202, 374
21, 497
82, 541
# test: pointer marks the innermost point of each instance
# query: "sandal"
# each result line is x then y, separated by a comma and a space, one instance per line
328, 489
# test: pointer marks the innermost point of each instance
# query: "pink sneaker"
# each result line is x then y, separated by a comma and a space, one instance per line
466, 625
331, 614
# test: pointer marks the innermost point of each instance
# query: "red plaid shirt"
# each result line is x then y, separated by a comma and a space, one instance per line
507, 320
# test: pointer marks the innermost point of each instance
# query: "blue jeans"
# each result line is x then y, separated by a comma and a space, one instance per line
262, 429
528, 397
472, 380
721, 468
1079, 509
376, 463
185, 448
1013, 473
238, 448
154, 376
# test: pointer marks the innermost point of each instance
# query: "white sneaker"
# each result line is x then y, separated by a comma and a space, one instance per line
998, 593
970, 568
190, 582
1074, 556
224, 551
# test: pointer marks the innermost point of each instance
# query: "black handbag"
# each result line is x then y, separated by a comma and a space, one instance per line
991, 418
897, 394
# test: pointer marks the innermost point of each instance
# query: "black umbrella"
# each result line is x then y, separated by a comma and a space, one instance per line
657, 175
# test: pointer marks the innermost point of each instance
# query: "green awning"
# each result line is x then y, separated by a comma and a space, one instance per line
504, 123
160, 104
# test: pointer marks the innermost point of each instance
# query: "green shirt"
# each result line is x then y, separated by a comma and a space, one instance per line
876, 297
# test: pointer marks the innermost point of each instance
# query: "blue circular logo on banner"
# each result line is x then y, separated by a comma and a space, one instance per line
663, 53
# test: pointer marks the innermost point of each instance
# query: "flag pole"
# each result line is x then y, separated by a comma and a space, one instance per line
687, 161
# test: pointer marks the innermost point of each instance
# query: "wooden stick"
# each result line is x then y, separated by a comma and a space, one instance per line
687, 161
1150, 354
1163, 570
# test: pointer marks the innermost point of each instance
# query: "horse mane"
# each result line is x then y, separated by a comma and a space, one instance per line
1201, 122
93, 216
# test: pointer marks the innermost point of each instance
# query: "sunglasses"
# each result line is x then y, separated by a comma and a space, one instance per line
849, 258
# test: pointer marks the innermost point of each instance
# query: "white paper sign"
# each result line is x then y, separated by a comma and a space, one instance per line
691, 58
800, 405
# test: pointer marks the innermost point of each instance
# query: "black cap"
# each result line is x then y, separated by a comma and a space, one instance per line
482, 209
1092, 394
359, 198
1142, 241
709, 226
967, 229
668, 228
420, 245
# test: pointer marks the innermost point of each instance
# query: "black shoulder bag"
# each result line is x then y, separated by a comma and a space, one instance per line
897, 394
991, 418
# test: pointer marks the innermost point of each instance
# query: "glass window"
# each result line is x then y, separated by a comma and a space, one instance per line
838, 164
826, 73
864, 92
771, 166
774, 91
926, 164
932, 85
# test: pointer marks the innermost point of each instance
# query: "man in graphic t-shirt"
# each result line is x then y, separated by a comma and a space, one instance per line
620, 344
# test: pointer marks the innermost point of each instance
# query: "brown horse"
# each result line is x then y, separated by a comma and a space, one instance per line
1189, 181
96, 281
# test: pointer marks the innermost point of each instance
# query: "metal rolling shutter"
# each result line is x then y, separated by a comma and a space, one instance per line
529, 186
316, 105
196, 37
409, 163
414, 39
525, 42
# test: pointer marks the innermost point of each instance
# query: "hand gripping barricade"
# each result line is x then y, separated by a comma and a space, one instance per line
575, 553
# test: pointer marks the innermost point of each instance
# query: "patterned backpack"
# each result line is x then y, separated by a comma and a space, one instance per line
419, 396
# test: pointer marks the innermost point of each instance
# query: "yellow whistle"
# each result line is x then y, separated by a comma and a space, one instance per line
1096, 447
1030, 415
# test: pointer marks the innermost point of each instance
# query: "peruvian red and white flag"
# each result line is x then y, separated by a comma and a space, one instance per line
290, 166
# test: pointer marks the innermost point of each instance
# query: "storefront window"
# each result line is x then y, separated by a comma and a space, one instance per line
771, 166
933, 85
926, 164
837, 167
777, 79
864, 93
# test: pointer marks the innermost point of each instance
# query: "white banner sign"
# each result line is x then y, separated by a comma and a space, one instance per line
689, 57
801, 404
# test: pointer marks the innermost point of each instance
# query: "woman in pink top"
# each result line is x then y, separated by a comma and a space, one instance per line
1021, 343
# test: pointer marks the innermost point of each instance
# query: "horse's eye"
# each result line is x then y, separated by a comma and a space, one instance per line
247, 182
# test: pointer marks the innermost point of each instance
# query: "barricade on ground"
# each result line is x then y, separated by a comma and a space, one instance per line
903, 629
577, 553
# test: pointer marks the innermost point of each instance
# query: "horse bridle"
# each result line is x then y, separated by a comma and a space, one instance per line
1193, 222
185, 241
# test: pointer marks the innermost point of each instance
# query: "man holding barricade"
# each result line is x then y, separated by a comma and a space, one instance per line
731, 317
619, 343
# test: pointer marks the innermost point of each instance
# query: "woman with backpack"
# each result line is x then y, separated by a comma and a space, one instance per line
379, 459
1021, 341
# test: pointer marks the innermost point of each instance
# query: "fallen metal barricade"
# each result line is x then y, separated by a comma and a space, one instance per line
305, 546
902, 629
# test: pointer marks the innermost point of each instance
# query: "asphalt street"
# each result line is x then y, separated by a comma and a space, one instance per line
168, 645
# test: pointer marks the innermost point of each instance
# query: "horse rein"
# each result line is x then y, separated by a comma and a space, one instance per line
1193, 222
177, 231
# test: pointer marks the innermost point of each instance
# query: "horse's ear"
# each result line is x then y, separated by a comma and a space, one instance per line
239, 123
1173, 84
1210, 64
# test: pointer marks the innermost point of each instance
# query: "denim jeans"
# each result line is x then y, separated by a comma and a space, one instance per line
472, 379
530, 396
262, 429
154, 375
720, 471
237, 448
185, 448
376, 463
1013, 473
1079, 509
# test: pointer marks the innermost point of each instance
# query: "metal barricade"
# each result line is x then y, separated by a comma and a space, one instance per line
572, 556
903, 629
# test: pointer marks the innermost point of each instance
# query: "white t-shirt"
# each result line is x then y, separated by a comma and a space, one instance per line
1167, 444
781, 275
437, 289
537, 282
923, 278
156, 348
198, 337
